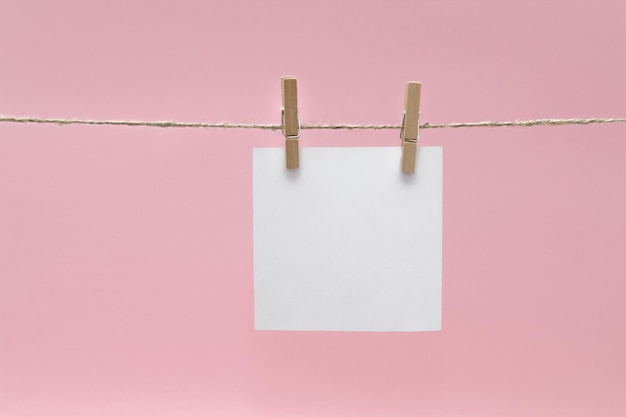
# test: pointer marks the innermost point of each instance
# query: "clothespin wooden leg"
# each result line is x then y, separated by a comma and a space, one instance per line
410, 126
291, 121
409, 154
292, 154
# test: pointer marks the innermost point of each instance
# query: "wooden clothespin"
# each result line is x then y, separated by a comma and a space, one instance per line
291, 121
410, 126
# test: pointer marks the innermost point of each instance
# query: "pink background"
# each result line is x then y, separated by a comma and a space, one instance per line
126, 283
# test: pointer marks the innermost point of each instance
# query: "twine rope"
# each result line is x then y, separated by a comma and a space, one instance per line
228, 125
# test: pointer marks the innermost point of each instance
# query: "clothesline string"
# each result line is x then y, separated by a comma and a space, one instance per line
228, 125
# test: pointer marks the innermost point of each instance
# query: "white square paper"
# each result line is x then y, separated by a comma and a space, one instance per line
347, 242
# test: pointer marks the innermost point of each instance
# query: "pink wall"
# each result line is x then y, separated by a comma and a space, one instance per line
125, 253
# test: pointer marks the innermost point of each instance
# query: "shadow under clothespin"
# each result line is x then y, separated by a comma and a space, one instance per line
409, 132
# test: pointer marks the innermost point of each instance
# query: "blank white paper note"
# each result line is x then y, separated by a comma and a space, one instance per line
347, 242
